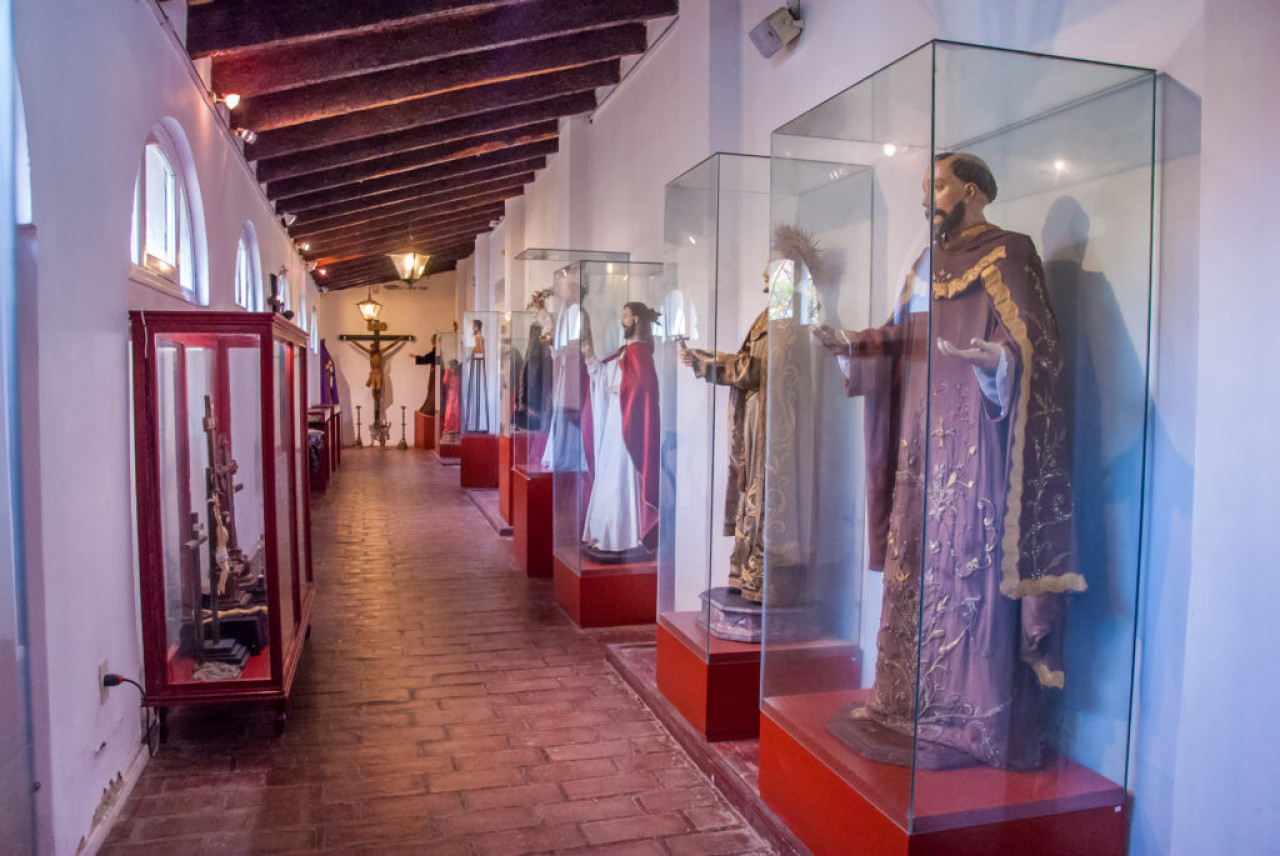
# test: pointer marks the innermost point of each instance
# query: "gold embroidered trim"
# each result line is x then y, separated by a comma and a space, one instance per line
1011, 585
944, 289
1047, 677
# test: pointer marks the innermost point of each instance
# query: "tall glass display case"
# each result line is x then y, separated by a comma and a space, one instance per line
449, 397
518, 331
531, 467
220, 405
602, 442
956, 422
479, 342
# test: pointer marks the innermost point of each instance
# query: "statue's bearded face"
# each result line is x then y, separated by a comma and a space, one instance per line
628, 322
948, 195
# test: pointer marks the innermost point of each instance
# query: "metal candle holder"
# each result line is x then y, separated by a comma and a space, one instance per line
359, 442
403, 444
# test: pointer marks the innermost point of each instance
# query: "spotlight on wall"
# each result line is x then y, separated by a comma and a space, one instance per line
311, 266
231, 99
775, 32
245, 134
288, 218
303, 246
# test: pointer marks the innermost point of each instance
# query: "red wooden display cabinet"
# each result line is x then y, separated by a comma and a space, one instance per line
220, 407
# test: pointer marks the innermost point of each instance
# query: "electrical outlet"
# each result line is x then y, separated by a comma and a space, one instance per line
103, 690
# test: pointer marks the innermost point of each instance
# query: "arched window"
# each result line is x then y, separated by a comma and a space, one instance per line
248, 287
167, 237
283, 290
302, 317
314, 333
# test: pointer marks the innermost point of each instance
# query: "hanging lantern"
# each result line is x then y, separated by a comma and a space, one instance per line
369, 308
410, 266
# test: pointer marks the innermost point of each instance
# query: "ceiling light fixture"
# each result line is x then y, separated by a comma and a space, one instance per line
410, 266
245, 134
288, 218
231, 99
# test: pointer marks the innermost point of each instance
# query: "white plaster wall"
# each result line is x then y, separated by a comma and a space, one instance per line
97, 76
408, 312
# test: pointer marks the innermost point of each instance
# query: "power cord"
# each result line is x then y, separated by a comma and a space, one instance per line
149, 727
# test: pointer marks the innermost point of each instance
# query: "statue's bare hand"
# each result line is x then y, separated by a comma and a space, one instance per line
687, 356
982, 354
832, 339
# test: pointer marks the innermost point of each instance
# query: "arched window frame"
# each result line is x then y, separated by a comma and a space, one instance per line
248, 278
314, 333
167, 238
286, 291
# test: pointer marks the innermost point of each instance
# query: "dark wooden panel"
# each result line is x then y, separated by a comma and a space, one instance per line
417, 159
256, 72
314, 160
335, 98
476, 221
445, 206
426, 111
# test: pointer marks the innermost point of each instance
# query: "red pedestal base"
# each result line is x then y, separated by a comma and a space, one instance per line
449, 450
531, 523
479, 461
607, 595
718, 690
838, 802
504, 476
424, 431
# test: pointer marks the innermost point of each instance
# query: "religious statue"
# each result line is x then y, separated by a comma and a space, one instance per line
428, 407
746, 373
571, 351
451, 392
531, 387
622, 513
378, 353
969, 512
476, 416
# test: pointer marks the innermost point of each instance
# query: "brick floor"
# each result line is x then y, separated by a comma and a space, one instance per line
444, 705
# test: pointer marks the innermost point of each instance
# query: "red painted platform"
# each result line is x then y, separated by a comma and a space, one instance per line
479, 461
504, 476
607, 595
715, 683
452, 451
837, 801
531, 523
424, 431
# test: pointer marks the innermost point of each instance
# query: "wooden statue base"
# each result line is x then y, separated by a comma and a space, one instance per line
451, 450
607, 595
424, 431
479, 461
836, 800
531, 523
504, 476
715, 683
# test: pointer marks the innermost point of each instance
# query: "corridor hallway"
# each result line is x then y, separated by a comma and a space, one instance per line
444, 705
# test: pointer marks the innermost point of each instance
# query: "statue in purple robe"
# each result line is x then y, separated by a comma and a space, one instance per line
969, 501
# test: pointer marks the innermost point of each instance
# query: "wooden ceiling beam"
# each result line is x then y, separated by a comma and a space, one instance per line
382, 249
414, 177
398, 240
421, 225
443, 207
426, 111
457, 210
380, 89
314, 160
476, 221
256, 72
215, 29
373, 258
417, 159
414, 197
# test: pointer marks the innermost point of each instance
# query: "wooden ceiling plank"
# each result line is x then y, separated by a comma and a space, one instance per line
409, 196
402, 237
256, 72
492, 197
380, 89
475, 221
399, 181
462, 208
417, 159
425, 111
344, 154
420, 225
215, 29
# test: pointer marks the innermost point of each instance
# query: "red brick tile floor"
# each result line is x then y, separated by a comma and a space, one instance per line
444, 705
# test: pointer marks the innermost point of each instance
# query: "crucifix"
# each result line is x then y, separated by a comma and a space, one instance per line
379, 429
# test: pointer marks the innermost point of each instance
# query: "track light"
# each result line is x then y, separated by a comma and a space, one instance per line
288, 217
311, 266
303, 246
245, 134
231, 99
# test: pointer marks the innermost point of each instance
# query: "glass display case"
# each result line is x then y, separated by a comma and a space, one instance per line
956, 424
531, 522
220, 409
518, 334
449, 397
602, 442
713, 304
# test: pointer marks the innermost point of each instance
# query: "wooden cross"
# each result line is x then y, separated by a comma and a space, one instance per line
376, 355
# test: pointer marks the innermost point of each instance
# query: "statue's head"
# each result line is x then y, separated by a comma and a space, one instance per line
962, 187
476, 325
638, 320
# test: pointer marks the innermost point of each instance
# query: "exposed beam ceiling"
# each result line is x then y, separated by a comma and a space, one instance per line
381, 123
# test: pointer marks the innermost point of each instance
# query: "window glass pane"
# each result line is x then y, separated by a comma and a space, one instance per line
186, 255
242, 275
135, 246
161, 206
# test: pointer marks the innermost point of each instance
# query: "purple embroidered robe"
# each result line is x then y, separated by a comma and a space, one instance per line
969, 514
